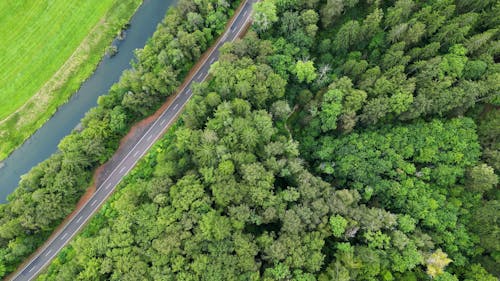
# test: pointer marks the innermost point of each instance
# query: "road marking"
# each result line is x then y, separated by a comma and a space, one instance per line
79, 219
163, 121
123, 169
199, 75
31, 269
108, 186
175, 106
165, 113
137, 153
149, 138
212, 60
93, 202
204, 77
48, 253
242, 26
245, 13
64, 236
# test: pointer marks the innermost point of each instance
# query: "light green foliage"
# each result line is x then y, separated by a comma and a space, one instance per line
446, 277
51, 189
32, 23
377, 239
47, 50
280, 109
305, 71
338, 225
478, 273
482, 178
406, 223
410, 169
436, 263
331, 108
227, 199
264, 15
453, 63
225, 196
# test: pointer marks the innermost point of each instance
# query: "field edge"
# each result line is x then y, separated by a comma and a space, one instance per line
16, 128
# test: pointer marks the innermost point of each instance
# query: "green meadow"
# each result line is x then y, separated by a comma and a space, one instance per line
47, 48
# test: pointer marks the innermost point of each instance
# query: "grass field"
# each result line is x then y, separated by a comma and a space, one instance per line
47, 48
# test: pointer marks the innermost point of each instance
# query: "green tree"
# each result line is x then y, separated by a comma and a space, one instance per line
436, 263
305, 71
264, 15
482, 178
338, 225
331, 108
331, 10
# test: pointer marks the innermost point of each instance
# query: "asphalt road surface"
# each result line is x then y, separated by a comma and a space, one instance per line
37, 263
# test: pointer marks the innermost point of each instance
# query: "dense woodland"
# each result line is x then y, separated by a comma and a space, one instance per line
49, 192
339, 140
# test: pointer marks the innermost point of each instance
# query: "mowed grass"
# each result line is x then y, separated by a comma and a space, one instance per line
36, 38
47, 49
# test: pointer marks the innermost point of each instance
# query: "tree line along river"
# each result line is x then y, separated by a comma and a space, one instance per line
45, 140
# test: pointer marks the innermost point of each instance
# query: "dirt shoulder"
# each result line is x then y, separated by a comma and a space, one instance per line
129, 140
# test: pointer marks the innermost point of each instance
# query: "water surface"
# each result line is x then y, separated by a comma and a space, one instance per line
44, 142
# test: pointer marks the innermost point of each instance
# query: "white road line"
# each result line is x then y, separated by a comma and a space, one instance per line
48, 253
149, 138
108, 186
245, 13
31, 269
204, 77
199, 75
242, 26
79, 219
175, 106
123, 169
212, 60
137, 153
148, 146
163, 121
93, 202
64, 236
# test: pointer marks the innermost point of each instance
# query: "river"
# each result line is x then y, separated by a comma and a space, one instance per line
44, 141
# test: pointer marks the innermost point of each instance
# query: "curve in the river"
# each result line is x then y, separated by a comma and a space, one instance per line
44, 141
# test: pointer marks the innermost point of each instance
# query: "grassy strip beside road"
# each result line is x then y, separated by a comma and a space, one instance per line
47, 50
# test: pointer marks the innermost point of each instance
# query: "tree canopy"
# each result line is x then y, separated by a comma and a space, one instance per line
338, 140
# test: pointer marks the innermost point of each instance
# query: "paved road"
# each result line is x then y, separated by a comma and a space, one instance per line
156, 130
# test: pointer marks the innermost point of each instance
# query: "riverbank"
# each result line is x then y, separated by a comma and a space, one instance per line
48, 193
45, 140
17, 127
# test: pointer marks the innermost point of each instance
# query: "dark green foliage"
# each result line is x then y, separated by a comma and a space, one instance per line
412, 59
412, 170
48, 193
394, 182
228, 199
395, 62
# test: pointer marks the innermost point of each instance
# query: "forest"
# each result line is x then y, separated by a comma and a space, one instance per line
338, 140
50, 191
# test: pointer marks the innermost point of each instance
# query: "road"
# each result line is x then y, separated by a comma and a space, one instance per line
38, 262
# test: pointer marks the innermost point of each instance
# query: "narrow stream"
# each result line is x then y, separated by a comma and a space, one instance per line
44, 142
